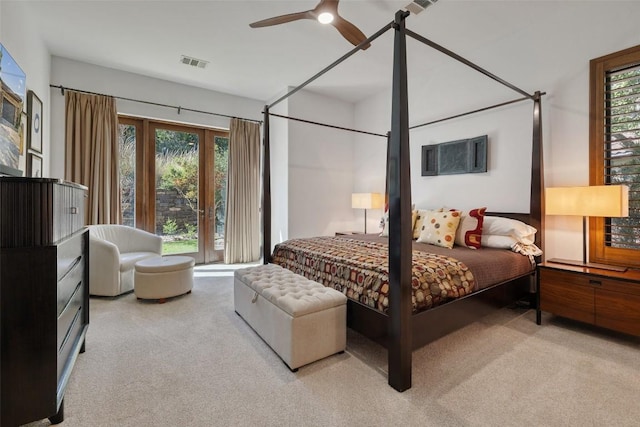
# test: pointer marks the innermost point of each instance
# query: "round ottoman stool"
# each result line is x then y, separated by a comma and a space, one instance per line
163, 277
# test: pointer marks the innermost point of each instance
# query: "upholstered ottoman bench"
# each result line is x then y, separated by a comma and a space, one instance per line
301, 320
163, 277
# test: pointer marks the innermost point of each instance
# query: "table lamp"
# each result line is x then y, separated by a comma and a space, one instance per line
367, 201
610, 201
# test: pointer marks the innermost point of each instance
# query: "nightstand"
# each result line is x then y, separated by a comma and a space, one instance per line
603, 298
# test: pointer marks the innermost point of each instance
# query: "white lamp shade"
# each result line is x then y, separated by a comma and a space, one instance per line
367, 201
598, 200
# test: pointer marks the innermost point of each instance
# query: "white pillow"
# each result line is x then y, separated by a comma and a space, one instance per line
499, 242
498, 226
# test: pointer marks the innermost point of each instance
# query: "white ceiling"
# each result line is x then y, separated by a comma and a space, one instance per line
149, 36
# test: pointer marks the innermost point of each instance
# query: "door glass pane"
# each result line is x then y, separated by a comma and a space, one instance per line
221, 163
127, 141
177, 177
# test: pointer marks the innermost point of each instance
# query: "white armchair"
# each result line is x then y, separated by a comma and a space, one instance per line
113, 253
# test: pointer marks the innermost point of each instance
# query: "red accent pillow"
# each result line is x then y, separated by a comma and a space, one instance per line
469, 232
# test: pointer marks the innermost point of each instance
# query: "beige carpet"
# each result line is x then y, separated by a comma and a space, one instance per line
194, 362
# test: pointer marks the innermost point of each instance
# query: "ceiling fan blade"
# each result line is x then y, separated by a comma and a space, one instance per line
327, 5
350, 32
283, 19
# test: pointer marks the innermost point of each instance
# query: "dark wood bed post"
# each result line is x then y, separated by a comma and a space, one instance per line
266, 191
400, 250
537, 172
537, 191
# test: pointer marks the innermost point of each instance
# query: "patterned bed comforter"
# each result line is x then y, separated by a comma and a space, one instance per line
360, 270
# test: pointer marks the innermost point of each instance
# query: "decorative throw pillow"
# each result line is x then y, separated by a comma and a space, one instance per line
469, 232
385, 219
421, 214
439, 228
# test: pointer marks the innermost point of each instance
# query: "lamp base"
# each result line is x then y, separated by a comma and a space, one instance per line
588, 264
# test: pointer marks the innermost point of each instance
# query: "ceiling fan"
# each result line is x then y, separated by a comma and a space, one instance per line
326, 12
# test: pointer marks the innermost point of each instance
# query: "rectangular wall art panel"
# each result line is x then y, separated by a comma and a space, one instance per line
455, 157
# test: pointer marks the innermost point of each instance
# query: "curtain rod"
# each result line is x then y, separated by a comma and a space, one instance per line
179, 108
326, 125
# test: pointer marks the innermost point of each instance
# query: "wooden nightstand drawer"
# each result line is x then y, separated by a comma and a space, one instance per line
618, 312
621, 286
566, 295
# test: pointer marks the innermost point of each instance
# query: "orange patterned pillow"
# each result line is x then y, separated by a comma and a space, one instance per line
469, 232
439, 228
418, 222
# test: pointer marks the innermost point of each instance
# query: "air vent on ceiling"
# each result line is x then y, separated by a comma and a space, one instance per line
194, 62
417, 6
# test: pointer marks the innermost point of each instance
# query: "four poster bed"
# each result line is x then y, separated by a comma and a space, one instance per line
402, 319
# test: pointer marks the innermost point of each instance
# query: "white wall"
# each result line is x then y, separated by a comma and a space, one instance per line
19, 37
279, 153
311, 168
80, 75
320, 166
552, 56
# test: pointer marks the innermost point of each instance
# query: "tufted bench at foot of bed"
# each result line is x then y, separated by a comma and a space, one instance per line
301, 320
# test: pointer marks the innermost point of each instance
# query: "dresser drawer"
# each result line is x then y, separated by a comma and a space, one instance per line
70, 343
69, 252
68, 315
69, 283
68, 210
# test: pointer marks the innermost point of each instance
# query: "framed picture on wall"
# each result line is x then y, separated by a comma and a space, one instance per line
34, 119
13, 95
34, 166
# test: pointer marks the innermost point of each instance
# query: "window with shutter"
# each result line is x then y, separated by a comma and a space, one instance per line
615, 152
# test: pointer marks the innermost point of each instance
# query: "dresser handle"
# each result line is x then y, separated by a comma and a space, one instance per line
255, 298
595, 282
73, 210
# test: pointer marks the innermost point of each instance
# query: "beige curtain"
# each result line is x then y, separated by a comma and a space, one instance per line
91, 153
242, 224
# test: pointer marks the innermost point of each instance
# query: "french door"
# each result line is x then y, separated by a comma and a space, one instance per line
173, 184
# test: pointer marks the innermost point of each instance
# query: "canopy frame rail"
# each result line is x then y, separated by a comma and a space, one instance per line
479, 110
327, 125
333, 64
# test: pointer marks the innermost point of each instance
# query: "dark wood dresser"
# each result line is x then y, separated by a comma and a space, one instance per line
44, 295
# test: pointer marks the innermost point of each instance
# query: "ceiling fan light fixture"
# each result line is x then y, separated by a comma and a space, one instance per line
325, 12
325, 18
